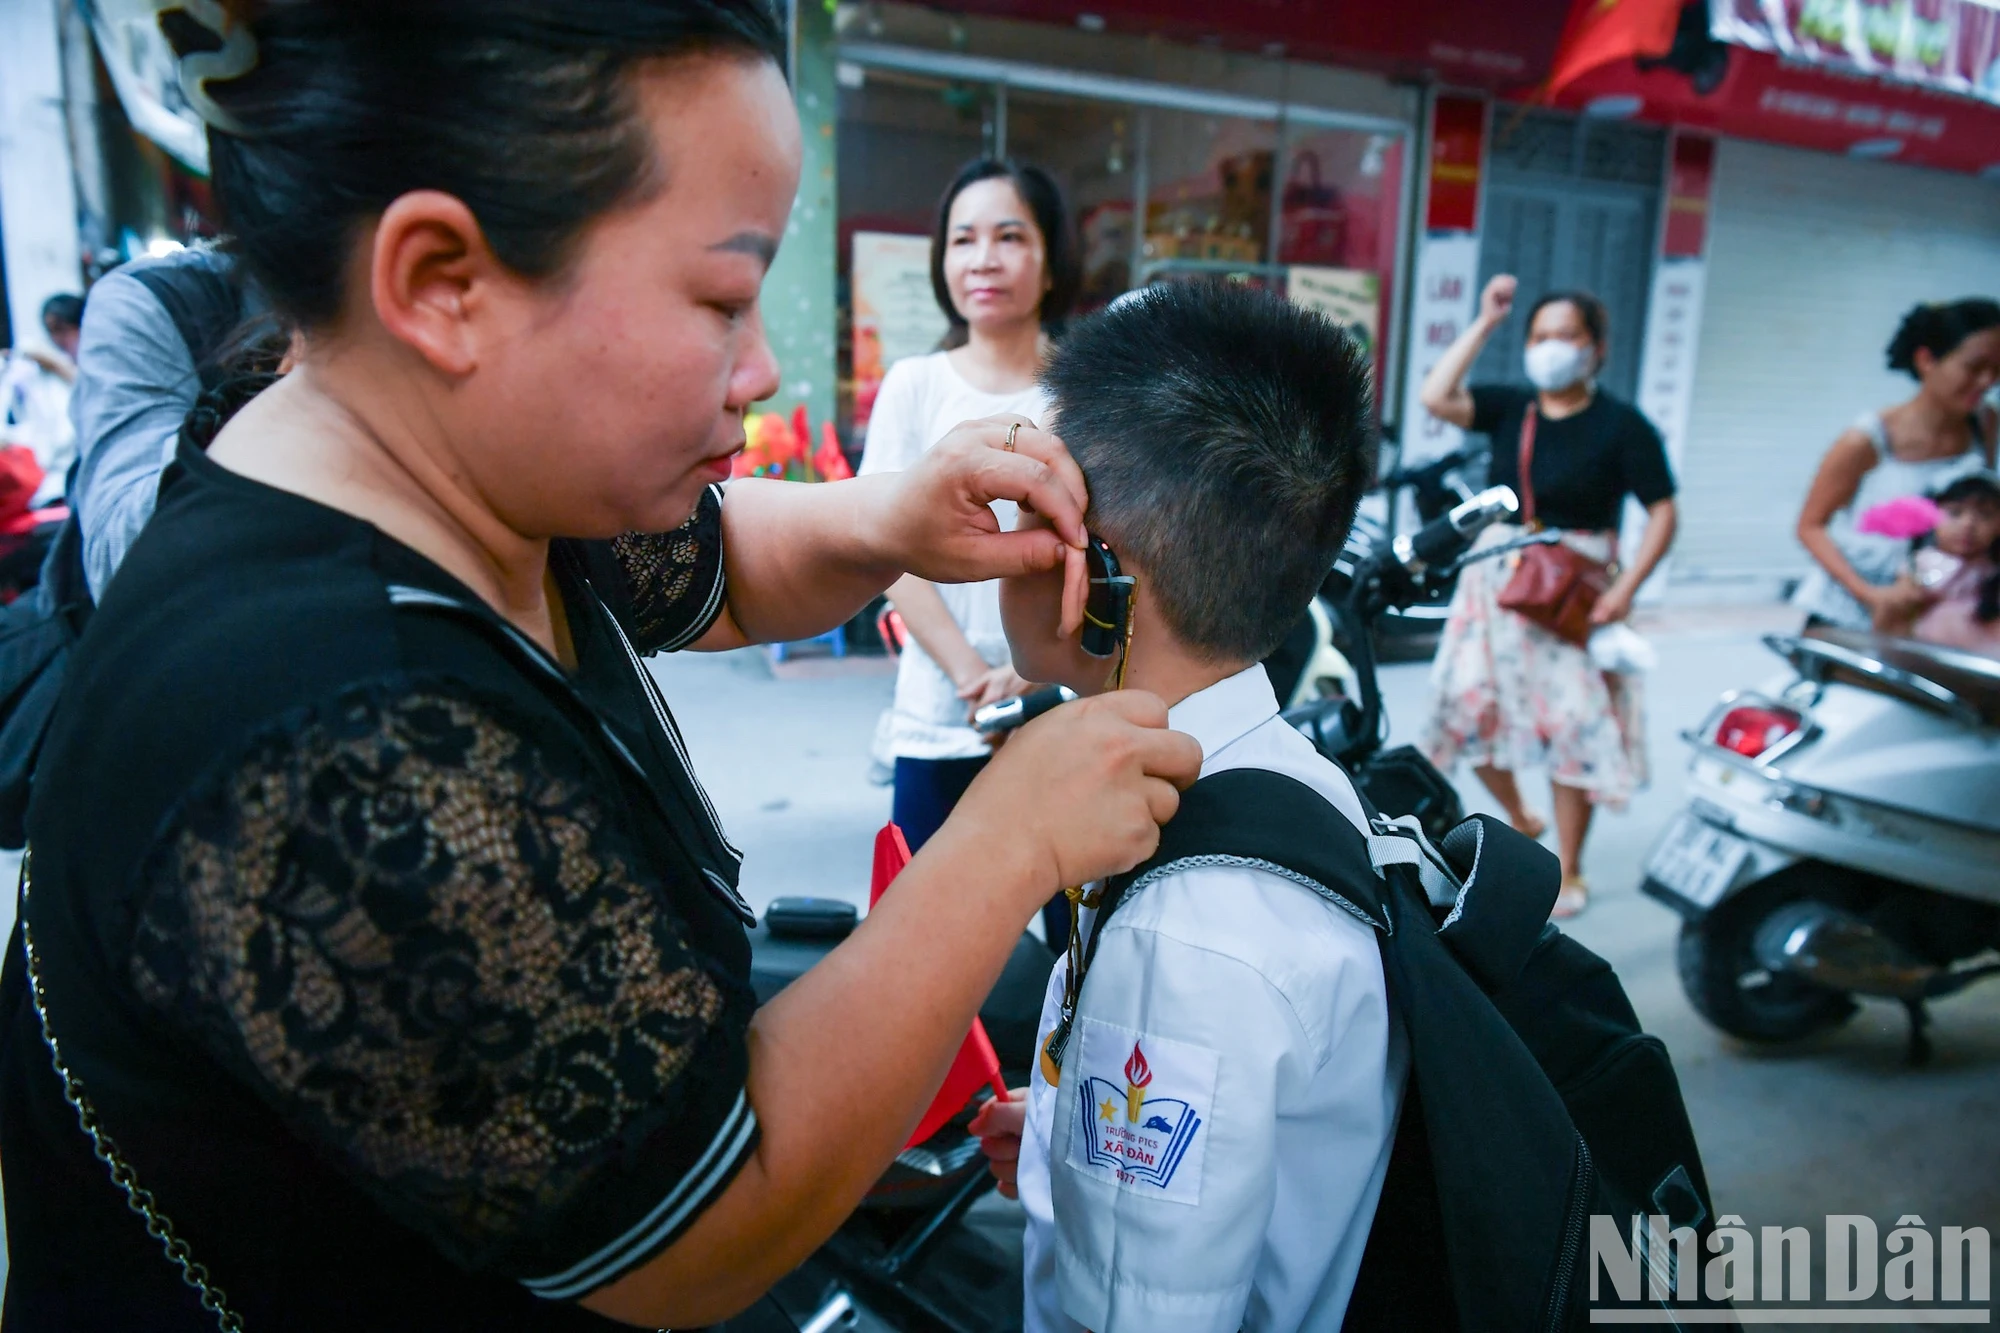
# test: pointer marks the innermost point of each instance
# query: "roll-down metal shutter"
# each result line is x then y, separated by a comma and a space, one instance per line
1571, 203
1812, 260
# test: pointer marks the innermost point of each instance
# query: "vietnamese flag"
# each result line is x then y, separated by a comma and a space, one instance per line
1600, 32
976, 1065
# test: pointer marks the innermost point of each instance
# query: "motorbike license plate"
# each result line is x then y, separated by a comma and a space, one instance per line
1697, 860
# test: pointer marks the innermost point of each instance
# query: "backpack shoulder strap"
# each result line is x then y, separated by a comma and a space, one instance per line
1254, 818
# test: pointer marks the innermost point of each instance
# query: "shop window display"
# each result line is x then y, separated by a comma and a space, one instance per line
1210, 185
902, 138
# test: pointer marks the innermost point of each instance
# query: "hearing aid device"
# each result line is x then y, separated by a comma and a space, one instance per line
1107, 608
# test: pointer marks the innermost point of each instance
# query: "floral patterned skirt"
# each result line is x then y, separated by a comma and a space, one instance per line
1506, 693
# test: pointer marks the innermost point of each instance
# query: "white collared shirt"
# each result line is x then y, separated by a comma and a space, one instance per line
1245, 1076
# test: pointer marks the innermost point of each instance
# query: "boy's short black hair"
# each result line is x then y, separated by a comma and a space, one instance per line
1225, 436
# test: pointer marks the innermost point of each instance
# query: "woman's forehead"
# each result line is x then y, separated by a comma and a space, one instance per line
1560, 317
990, 202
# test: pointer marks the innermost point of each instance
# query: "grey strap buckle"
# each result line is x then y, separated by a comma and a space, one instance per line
1401, 841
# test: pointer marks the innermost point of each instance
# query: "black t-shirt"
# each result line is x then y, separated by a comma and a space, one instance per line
407, 969
1585, 465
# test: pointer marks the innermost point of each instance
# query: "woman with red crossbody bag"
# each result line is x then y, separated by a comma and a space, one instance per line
1513, 686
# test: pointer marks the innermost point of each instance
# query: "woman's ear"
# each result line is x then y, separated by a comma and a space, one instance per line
430, 276
1923, 361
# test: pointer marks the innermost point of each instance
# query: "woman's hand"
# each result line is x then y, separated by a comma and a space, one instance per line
990, 687
1497, 301
802, 559
1662, 519
1082, 791
1896, 606
937, 520
998, 1127
1614, 605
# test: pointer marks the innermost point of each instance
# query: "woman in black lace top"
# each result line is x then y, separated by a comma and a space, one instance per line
374, 907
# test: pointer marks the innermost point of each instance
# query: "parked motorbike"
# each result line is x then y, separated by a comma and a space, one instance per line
1410, 632
1841, 839
1371, 580
904, 1254
1310, 664
891, 1255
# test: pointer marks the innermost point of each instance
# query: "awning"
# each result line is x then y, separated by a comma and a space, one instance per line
1463, 43
1909, 99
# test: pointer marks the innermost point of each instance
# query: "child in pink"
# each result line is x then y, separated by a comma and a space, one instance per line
1960, 568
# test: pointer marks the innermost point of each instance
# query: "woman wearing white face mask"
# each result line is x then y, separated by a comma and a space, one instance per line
1507, 693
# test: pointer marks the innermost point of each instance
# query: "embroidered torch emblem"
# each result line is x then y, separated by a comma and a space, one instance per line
1137, 1075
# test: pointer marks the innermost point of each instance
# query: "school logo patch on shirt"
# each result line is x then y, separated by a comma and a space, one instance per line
1142, 1106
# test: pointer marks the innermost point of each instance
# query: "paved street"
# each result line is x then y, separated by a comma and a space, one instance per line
1837, 1124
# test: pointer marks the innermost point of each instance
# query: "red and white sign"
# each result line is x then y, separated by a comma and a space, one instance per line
1446, 269
1458, 148
1673, 315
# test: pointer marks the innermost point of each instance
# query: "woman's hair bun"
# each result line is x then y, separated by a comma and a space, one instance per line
1938, 328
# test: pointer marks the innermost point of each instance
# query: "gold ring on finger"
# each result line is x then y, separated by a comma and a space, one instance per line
1012, 431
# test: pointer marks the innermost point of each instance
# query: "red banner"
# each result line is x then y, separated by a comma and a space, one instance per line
1689, 182
1458, 142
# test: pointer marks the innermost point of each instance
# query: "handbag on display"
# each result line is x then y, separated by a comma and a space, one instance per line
1313, 216
1555, 586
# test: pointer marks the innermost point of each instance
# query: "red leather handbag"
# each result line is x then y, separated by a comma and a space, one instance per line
1555, 586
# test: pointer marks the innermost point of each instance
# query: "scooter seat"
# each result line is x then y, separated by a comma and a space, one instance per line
1973, 678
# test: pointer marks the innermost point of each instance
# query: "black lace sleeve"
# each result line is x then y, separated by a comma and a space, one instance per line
665, 588
423, 938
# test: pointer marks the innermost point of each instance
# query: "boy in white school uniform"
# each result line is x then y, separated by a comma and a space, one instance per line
1212, 1153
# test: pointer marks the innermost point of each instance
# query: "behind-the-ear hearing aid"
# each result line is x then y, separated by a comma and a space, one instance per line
1107, 608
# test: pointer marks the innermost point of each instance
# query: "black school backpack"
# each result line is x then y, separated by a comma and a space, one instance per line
38, 630
1534, 1100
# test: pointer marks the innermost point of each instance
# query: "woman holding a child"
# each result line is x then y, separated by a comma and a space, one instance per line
1859, 519
1508, 693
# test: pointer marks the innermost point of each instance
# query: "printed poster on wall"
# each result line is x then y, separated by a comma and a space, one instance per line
895, 312
1445, 276
1445, 300
1350, 297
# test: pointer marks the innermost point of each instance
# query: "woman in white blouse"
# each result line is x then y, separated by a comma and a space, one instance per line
1004, 267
